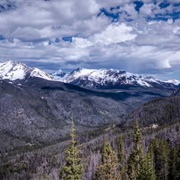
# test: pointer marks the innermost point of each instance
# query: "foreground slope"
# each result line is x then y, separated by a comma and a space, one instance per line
48, 159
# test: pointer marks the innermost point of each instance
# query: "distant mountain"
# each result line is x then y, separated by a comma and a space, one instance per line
86, 78
16, 70
59, 75
110, 78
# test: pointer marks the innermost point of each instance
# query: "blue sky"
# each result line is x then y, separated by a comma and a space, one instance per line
137, 36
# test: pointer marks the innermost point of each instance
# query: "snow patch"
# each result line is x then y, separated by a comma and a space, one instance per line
41, 74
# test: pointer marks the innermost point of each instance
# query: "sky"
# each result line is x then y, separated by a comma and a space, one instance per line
137, 36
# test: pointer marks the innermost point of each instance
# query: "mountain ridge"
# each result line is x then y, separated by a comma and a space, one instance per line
109, 78
86, 78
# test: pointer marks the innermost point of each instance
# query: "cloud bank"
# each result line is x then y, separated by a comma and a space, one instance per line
141, 36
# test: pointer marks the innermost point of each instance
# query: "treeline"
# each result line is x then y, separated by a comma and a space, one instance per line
160, 161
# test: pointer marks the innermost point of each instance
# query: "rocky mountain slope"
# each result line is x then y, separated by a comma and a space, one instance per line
109, 78
161, 111
39, 111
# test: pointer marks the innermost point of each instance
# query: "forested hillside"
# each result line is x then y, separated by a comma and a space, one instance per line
157, 149
36, 112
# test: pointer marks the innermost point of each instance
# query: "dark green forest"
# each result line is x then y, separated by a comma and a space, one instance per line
160, 161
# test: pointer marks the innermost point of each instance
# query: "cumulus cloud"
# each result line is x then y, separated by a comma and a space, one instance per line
114, 33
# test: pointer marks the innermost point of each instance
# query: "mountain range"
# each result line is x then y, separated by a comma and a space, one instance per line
109, 78
87, 78
36, 111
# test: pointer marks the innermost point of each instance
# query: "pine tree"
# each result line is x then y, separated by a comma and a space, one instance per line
120, 152
107, 170
174, 164
136, 156
131, 169
73, 169
161, 158
147, 170
121, 159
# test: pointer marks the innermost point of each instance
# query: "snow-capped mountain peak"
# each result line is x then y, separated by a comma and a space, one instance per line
12, 70
104, 76
110, 78
88, 78
59, 75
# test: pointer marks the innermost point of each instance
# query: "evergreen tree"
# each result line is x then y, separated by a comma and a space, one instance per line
131, 167
73, 169
136, 156
107, 170
120, 152
121, 159
147, 171
161, 158
174, 164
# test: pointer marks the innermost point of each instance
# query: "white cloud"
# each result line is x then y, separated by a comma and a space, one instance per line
163, 64
69, 17
26, 33
81, 43
114, 33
